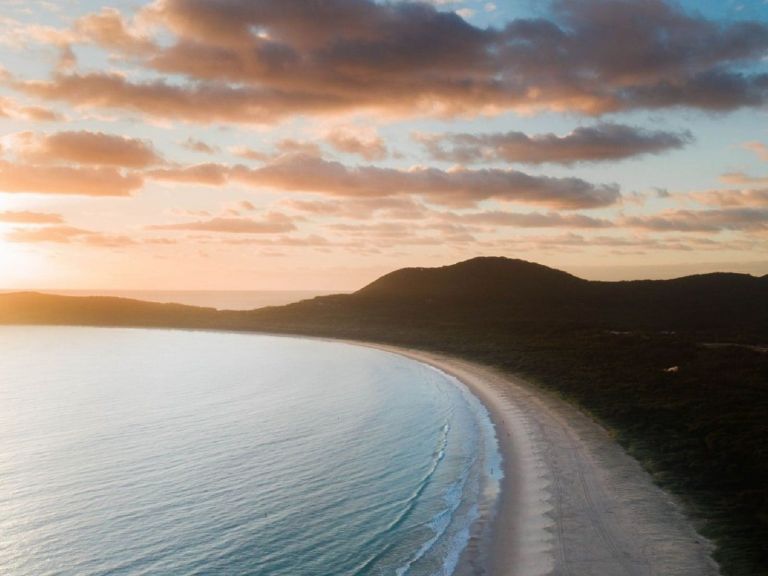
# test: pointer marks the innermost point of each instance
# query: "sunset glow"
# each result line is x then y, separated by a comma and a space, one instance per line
200, 144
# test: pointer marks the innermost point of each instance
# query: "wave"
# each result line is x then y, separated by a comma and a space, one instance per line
441, 521
410, 503
446, 524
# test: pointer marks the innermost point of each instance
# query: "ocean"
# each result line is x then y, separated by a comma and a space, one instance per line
138, 452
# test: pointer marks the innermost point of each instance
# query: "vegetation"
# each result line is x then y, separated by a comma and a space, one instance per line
677, 369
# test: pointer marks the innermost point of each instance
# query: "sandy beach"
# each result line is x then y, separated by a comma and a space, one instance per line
572, 502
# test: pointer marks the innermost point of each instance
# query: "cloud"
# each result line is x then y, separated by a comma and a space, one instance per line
280, 148
25, 217
67, 59
203, 103
250, 153
11, 109
272, 223
744, 179
404, 234
290, 146
454, 187
738, 219
108, 240
108, 28
195, 145
263, 60
357, 141
57, 234
208, 174
85, 181
66, 235
459, 187
760, 149
84, 147
396, 208
598, 143
619, 244
728, 198
528, 220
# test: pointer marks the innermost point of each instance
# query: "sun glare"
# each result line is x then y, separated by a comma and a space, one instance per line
6, 256
15, 267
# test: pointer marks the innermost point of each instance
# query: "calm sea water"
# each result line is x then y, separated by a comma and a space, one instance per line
178, 453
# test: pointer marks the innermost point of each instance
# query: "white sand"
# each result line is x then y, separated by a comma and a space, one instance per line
573, 502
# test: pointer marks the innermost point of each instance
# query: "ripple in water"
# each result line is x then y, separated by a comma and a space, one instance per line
132, 452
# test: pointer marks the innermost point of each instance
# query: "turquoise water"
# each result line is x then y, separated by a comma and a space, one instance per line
167, 452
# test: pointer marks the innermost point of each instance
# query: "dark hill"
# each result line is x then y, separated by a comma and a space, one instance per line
35, 308
505, 294
492, 294
483, 278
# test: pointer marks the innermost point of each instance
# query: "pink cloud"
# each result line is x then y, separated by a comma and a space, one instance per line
338, 56
84, 147
26, 217
272, 223
101, 181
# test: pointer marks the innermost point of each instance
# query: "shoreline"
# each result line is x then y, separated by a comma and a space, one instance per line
572, 501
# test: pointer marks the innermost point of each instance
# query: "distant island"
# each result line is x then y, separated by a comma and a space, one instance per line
677, 369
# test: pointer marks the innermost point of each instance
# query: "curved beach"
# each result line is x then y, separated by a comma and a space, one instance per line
572, 502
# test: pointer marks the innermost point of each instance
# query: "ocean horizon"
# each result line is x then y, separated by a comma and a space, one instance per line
134, 451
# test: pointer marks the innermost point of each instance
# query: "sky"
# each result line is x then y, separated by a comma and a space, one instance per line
300, 144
